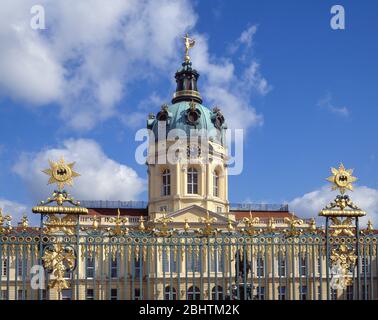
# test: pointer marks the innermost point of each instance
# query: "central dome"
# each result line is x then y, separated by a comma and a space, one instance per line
189, 116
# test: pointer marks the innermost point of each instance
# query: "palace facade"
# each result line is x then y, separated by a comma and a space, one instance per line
188, 241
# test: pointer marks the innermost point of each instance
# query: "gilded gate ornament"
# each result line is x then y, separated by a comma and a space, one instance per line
67, 224
294, 226
58, 260
162, 228
208, 228
342, 179
61, 173
251, 225
5, 222
120, 225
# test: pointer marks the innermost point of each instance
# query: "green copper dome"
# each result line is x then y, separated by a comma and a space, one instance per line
186, 116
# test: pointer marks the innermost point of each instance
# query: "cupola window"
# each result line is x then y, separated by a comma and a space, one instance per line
192, 181
215, 184
166, 190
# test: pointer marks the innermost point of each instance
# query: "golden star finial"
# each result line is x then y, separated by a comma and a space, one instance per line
61, 173
342, 179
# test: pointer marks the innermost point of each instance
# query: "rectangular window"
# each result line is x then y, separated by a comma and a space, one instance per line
66, 294
216, 184
90, 294
90, 265
319, 263
4, 294
260, 266
282, 293
137, 294
281, 266
349, 292
169, 261
217, 261
4, 267
364, 265
137, 268
67, 275
166, 183
194, 262
113, 294
333, 294
20, 266
20, 295
114, 268
365, 292
303, 265
163, 208
192, 177
304, 293
260, 293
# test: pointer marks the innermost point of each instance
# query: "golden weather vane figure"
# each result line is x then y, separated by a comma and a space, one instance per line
189, 43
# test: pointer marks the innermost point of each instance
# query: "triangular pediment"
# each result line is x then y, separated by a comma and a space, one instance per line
194, 213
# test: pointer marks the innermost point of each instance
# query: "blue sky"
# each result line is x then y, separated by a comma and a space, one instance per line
319, 106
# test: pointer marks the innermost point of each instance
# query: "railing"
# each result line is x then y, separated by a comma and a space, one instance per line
104, 204
259, 207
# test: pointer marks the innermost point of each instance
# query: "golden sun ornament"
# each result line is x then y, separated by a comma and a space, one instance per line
342, 179
61, 173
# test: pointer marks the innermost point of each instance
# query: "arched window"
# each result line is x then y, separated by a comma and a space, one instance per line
215, 184
192, 181
166, 191
194, 293
170, 293
217, 293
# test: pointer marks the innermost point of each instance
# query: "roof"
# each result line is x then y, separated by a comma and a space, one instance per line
177, 119
136, 212
239, 215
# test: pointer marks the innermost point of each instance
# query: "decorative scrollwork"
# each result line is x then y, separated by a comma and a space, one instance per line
66, 224
58, 259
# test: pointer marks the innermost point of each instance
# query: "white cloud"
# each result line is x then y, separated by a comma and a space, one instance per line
90, 52
311, 203
326, 102
15, 210
102, 178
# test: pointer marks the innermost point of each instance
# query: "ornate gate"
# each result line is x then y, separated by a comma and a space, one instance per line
63, 259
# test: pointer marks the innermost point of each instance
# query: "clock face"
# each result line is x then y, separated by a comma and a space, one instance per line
193, 151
